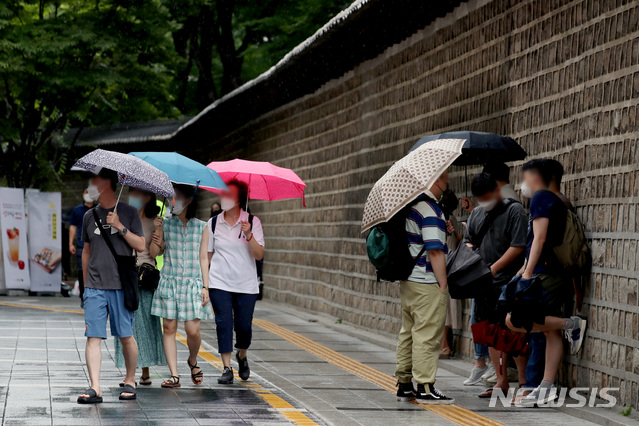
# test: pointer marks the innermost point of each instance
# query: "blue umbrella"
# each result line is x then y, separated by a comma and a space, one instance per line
182, 169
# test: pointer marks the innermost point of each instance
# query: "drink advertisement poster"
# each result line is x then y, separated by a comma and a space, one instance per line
45, 240
13, 223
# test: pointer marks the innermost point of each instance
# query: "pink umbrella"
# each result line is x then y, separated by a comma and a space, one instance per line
265, 180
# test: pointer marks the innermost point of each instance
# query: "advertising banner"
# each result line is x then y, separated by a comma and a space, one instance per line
45, 240
13, 224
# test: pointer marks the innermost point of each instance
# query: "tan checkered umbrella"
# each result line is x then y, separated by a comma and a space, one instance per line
408, 178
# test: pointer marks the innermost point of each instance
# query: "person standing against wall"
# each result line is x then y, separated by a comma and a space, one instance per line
542, 268
231, 243
454, 233
75, 236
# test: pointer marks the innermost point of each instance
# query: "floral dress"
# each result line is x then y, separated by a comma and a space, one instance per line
179, 294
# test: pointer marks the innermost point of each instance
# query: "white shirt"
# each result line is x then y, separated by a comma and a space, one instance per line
233, 265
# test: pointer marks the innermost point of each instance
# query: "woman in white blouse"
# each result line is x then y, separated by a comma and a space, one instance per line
231, 243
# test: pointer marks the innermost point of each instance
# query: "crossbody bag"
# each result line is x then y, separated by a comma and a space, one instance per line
127, 270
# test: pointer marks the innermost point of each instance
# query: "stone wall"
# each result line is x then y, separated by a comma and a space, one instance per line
561, 77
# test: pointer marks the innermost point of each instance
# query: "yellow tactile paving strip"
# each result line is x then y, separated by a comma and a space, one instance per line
291, 413
453, 413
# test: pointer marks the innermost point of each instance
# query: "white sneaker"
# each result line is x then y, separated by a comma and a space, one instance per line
475, 376
490, 372
575, 335
539, 396
491, 380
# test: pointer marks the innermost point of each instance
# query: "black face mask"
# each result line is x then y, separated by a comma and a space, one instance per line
441, 197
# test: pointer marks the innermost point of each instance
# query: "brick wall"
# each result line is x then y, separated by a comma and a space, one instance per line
561, 77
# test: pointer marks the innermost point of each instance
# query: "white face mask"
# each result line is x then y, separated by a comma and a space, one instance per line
487, 205
93, 192
227, 204
525, 190
178, 207
87, 198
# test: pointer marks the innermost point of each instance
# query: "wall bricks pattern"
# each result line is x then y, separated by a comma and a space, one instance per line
561, 77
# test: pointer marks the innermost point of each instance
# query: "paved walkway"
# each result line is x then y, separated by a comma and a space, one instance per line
306, 371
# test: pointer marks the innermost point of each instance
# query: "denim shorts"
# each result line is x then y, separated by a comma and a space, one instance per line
98, 304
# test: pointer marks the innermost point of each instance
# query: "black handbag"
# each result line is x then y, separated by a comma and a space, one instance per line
468, 274
127, 269
148, 277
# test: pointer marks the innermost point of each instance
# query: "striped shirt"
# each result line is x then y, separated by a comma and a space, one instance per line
426, 227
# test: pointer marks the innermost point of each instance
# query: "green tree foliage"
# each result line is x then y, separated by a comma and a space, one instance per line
77, 63
224, 43
83, 62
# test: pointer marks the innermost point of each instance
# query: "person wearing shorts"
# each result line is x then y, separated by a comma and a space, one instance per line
542, 268
103, 296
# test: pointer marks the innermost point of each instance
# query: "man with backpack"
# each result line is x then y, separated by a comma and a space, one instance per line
424, 298
497, 228
555, 244
537, 343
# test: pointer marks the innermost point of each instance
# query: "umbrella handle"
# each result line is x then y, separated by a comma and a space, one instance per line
115, 209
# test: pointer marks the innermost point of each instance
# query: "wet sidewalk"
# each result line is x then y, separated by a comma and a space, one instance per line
305, 370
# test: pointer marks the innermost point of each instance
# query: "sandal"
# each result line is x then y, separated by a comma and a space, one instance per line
122, 384
172, 382
93, 397
445, 353
127, 388
195, 376
145, 381
488, 393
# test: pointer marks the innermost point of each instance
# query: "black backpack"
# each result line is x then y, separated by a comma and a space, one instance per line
388, 247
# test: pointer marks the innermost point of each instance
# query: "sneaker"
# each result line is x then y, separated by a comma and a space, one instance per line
489, 373
575, 335
244, 370
431, 395
539, 396
227, 376
405, 392
475, 376
490, 380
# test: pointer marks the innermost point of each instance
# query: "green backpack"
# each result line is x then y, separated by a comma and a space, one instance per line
573, 252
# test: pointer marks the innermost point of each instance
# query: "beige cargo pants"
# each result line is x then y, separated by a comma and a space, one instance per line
423, 317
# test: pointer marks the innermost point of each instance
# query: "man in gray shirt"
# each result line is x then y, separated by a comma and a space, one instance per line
502, 247
103, 296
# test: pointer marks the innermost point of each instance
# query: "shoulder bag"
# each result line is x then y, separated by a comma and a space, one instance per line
468, 274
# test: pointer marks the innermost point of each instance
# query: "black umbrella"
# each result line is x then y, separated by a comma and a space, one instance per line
480, 147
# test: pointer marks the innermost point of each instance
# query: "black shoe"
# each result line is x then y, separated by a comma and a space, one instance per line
227, 376
244, 371
429, 394
405, 392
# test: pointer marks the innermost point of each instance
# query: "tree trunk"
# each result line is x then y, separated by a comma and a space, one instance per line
231, 60
206, 90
